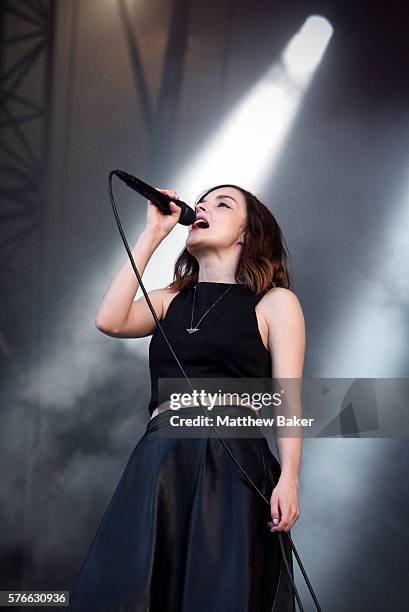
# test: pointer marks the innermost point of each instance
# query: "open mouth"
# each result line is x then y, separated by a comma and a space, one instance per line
199, 224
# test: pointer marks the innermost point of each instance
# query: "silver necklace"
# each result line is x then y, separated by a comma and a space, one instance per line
192, 329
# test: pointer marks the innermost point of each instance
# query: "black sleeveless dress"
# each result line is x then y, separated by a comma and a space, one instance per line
184, 531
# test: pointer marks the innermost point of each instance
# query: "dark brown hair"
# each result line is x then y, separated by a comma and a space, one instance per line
263, 260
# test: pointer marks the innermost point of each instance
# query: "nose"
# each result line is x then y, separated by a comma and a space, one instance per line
200, 208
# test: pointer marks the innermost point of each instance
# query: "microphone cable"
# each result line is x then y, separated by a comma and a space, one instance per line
226, 446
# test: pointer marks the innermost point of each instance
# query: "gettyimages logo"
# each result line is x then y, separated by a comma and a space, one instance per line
308, 407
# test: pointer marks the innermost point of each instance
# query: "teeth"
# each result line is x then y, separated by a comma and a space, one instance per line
200, 222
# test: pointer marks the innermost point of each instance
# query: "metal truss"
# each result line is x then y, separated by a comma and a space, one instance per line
26, 69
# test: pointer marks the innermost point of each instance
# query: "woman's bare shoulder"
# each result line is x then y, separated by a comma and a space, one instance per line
279, 298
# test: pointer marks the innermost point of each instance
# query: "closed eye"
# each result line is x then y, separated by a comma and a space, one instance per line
218, 205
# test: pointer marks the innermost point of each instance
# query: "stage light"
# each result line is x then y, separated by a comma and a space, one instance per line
305, 50
245, 148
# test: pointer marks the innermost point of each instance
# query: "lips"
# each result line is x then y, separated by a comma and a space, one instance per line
200, 223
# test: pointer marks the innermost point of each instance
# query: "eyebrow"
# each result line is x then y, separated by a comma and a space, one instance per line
220, 197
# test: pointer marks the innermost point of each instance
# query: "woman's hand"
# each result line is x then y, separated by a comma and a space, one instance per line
159, 224
284, 500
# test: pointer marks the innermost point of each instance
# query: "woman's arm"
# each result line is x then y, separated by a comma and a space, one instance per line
119, 315
287, 341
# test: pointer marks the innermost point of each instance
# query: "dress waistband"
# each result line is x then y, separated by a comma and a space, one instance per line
166, 406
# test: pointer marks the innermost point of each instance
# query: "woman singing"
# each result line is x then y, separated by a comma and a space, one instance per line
184, 532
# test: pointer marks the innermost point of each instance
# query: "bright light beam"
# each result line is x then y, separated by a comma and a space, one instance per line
244, 150
247, 145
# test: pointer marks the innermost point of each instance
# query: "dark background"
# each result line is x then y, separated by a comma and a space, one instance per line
73, 401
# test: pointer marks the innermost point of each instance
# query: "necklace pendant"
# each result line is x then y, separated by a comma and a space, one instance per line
191, 330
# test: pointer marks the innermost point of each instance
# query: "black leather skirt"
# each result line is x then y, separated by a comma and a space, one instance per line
184, 530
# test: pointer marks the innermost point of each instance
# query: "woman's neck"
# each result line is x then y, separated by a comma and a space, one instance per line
221, 281
217, 278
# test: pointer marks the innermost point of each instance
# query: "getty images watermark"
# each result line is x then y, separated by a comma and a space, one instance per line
308, 407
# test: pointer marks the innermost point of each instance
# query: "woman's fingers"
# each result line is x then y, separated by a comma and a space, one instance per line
283, 516
170, 192
288, 518
275, 513
175, 209
284, 524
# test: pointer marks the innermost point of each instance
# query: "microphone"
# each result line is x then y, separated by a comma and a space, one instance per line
161, 200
